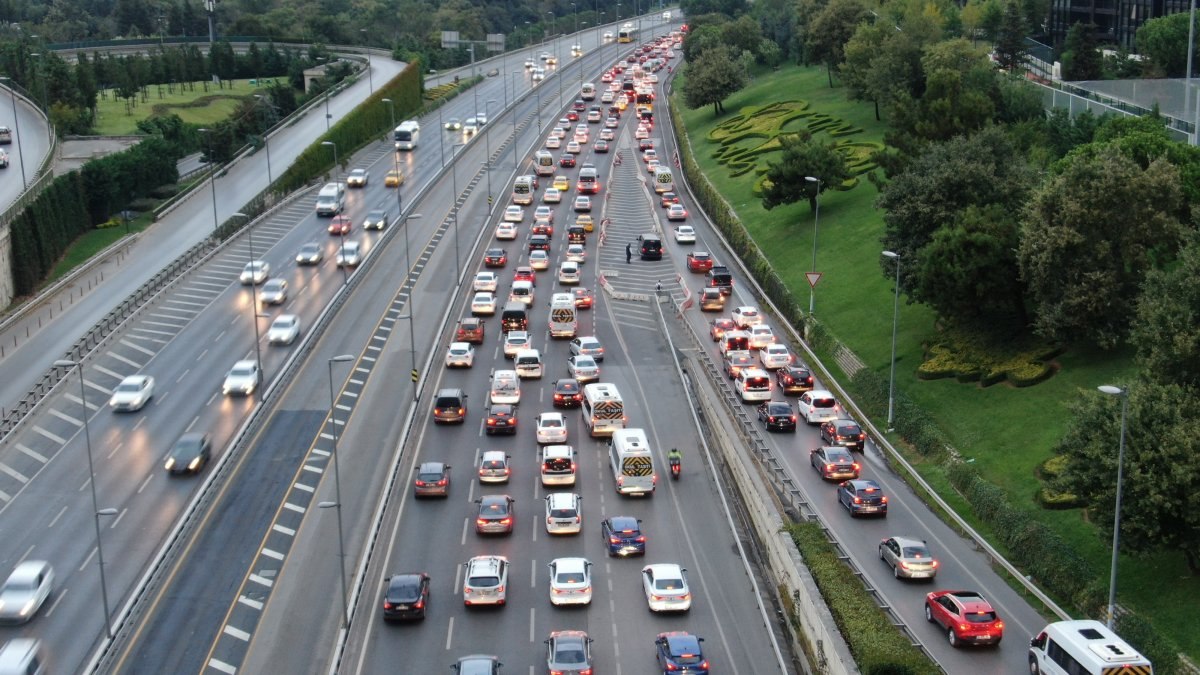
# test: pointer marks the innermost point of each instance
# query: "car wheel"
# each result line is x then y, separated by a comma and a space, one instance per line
928, 614
951, 637
1033, 666
896, 571
881, 554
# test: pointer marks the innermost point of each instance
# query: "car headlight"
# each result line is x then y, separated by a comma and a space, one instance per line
170, 464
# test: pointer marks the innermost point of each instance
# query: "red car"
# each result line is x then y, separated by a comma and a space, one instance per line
667, 198
470, 330
966, 616
340, 225
583, 298
699, 261
573, 116
525, 273
495, 257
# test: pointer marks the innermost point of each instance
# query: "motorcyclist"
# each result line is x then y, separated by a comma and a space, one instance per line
675, 458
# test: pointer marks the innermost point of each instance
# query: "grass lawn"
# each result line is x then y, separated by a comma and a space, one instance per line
195, 106
1006, 431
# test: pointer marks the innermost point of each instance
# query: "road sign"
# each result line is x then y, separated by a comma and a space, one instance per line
813, 278
415, 375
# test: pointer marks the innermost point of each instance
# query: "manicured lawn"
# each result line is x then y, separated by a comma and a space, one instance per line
1007, 432
195, 106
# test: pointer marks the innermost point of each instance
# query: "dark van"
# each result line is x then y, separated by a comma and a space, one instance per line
651, 247
576, 235
719, 277
514, 317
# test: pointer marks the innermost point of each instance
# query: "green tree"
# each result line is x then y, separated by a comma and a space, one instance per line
1167, 330
777, 20
1011, 52
742, 35
831, 29
700, 40
712, 78
1081, 54
1161, 472
1164, 40
1089, 236
786, 180
1064, 132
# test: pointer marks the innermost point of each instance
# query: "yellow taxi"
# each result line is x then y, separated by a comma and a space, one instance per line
394, 178
562, 183
585, 221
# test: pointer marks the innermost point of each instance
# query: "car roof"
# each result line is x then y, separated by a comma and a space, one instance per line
550, 415
494, 499
494, 455
570, 564
864, 484
559, 499
665, 569
624, 523
679, 642
820, 393
431, 467
28, 570
908, 541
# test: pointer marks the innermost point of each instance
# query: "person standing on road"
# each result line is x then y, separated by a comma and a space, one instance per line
628, 253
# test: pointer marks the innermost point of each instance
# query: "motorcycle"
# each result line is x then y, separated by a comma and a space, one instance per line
675, 469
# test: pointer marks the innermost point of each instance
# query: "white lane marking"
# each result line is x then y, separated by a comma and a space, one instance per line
60, 515
88, 559
144, 483
283, 530
262, 581
449, 633
118, 518
294, 507
65, 417
307, 488
271, 553
139, 348
59, 593
249, 602
20, 477
125, 360
239, 634
532, 624
463, 539
54, 437
111, 373
222, 666
29, 451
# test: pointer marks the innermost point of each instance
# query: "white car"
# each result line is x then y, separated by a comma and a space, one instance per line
357, 178
243, 378
470, 127
486, 580
588, 346
583, 368
553, 143
817, 406
666, 588
576, 253
132, 393
685, 234
543, 213
746, 316
607, 135
574, 148
25, 591
761, 335
255, 272
486, 281
481, 119
539, 260
514, 214
551, 428
564, 513
568, 273
775, 356
606, 97
559, 131
515, 341
349, 254
552, 196
642, 132
460, 355
483, 304
506, 231
570, 581
284, 329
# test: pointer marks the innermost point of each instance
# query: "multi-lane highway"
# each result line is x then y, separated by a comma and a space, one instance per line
30, 143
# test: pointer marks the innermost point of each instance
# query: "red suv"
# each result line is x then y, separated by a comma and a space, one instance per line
966, 616
470, 330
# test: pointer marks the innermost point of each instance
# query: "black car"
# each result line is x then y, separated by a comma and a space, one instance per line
645, 144
777, 415
406, 596
567, 161
651, 247
863, 497
567, 393
189, 454
794, 380
539, 242
495, 257
680, 652
501, 419
845, 433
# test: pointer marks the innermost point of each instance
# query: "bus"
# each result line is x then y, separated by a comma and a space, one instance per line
627, 33
523, 190
632, 462
407, 135
603, 409
663, 180
1084, 647
543, 163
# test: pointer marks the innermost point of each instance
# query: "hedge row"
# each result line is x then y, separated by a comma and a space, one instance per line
874, 642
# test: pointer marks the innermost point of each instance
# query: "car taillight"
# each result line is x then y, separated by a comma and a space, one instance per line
420, 483
614, 540
462, 411
506, 521
883, 499
491, 421
672, 666
442, 482
933, 563
862, 437
793, 419
641, 539
387, 605
437, 411
855, 465
420, 604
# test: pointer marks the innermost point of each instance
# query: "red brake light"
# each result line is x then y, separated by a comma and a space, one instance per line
884, 499
506, 521
856, 467
420, 604
641, 539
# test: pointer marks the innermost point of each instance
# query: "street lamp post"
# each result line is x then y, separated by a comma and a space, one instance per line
1116, 543
45, 95
96, 510
17, 124
392, 108
341, 234
337, 487
895, 322
454, 182
412, 335
812, 289
253, 294
367, 50
212, 174
515, 74
487, 144
266, 143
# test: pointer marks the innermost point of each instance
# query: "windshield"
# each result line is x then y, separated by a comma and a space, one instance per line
551, 423
242, 372
823, 403
916, 552
558, 464
485, 582
570, 578
569, 655
129, 387
668, 584
562, 513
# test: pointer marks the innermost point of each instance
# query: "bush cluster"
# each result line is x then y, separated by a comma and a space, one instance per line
877, 646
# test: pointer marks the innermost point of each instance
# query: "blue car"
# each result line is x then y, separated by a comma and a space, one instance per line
679, 653
623, 536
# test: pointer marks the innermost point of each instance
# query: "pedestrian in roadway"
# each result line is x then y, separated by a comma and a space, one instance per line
628, 253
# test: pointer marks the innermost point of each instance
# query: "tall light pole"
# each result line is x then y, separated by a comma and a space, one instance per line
45, 94
17, 123
515, 74
337, 487
96, 510
212, 174
454, 182
487, 144
895, 322
266, 142
1112, 573
412, 335
392, 108
812, 288
367, 50
253, 293
341, 234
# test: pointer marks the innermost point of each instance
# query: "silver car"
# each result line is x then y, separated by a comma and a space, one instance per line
284, 329
583, 368
25, 590
274, 292
349, 254
910, 558
132, 393
255, 272
243, 378
588, 346
310, 254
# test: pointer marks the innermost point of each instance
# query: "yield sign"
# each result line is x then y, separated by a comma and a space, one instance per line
813, 278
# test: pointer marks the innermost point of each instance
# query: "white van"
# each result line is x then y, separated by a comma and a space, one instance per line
558, 465
632, 462
522, 292
506, 387
1083, 647
529, 364
563, 321
331, 199
753, 384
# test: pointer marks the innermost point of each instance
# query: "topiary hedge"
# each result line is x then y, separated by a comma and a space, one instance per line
877, 646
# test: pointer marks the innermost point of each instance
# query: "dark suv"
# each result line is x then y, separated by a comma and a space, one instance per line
651, 247
406, 596
719, 277
539, 242
450, 405
845, 433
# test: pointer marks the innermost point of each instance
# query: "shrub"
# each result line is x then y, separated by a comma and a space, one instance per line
1153, 645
